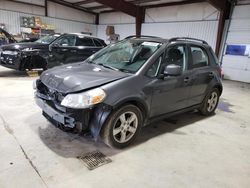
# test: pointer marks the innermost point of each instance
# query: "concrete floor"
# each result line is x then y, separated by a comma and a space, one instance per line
185, 151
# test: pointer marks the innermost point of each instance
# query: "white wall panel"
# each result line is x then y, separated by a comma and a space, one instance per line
12, 21
196, 11
8, 5
115, 18
54, 10
238, 67
63, 12
206, 30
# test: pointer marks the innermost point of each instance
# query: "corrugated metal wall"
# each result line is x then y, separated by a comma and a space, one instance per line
199, 20
206, 30
12, 21
238, 67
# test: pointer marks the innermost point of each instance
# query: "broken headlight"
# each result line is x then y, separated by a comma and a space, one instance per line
85, 99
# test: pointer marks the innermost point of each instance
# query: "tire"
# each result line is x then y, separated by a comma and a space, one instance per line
210, 102
118, 132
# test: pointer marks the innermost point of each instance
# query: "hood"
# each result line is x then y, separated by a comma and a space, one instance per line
79, 76
21, 46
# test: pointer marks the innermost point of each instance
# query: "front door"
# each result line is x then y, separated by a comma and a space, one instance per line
61, 50
171, 93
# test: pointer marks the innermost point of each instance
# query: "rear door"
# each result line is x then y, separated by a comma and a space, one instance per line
202, 73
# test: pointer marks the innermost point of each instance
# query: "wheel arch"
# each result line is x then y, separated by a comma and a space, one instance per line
139, 103
33, 61
219, 87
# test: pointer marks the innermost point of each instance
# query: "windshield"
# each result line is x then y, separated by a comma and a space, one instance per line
126, 56
47, 39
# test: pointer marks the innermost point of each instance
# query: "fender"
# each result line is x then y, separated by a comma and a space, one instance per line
98, 119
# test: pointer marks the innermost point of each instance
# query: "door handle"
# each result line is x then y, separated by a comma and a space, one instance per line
186, 80
64, 50
72, 50
211, 74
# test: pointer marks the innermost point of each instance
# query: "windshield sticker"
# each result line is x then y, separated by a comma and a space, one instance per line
150, 43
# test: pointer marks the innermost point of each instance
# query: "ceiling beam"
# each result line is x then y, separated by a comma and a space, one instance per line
67, 4
174, 3
218, 4
84, 2
120, 5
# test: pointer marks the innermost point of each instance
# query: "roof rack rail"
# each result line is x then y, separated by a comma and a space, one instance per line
134, 36
187, 38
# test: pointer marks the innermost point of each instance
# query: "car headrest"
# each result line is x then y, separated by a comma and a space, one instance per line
197, 56
145, 53
174, 54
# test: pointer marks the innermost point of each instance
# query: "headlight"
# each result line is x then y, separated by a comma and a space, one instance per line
85, 99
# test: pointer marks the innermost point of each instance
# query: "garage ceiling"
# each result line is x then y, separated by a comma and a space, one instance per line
95, 7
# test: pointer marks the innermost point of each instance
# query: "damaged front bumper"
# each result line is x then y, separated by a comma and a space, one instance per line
55, 115
87, 119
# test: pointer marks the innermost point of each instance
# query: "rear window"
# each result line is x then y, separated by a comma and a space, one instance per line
98, 43
85, 41
199, 56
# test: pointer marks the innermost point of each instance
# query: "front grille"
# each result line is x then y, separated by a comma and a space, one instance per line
49, 94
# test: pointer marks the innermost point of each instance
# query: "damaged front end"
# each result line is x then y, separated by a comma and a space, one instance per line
69, 119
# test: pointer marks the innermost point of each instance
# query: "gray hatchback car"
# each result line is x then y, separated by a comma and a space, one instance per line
130, 84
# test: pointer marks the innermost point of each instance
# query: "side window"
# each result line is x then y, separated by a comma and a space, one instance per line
176, 55
199, 57
69, 40
86, 41
97, 43
155, 67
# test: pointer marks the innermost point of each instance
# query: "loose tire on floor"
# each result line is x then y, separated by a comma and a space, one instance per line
122, 126
210, 103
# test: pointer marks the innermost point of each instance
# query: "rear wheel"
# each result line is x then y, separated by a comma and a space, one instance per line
122, 126
210, 103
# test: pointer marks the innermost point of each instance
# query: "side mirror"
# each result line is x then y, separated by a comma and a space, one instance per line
54, 45
172, 70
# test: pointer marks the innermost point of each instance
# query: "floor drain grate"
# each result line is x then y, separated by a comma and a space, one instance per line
94, 159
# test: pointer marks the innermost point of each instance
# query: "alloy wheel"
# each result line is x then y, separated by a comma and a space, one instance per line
212, 101
125, 127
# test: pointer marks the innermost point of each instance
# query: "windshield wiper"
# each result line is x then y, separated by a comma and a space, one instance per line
107, 66
126, 71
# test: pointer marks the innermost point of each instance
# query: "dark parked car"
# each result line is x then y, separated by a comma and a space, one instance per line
49, 51
130, 84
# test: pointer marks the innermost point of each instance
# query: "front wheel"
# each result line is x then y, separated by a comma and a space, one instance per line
122, 126
210, 103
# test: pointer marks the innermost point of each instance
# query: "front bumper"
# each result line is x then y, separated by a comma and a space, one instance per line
10, 61
68, 119
55, 115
